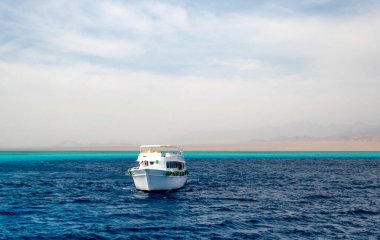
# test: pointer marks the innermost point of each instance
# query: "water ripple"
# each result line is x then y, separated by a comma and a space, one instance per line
225, 198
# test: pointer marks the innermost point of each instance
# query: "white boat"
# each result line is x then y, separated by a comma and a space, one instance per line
161, 167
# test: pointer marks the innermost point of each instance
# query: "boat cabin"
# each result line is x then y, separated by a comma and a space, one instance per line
163, 150
161, 157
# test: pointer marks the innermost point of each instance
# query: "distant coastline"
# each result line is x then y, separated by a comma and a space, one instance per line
292, 146
311, 145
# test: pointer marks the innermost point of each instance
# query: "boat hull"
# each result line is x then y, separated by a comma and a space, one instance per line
156, 180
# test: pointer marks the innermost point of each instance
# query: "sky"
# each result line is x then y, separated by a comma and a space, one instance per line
185, 72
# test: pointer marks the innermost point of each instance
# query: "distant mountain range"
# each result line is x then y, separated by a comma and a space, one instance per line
298, 131
309, 131
74, 144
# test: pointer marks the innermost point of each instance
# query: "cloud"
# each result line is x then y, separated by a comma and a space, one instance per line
97, 46
240, 64
87, 104
103, 29
150, 71
150, 18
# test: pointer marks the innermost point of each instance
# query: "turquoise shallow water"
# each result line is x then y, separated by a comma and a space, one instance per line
229, 195
93, 155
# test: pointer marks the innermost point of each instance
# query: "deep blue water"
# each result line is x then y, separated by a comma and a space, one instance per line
263, 195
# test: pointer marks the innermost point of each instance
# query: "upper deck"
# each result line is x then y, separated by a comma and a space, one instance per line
161, 149
159, 154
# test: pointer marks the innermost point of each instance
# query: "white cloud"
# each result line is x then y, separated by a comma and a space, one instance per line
103, 29
240, 64
125, 17
162, 70
152, 18
97, 46
90, 104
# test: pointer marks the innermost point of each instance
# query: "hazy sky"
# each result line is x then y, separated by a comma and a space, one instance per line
183, 71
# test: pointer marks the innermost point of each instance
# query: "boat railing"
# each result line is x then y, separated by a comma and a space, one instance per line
172, 154
163, 154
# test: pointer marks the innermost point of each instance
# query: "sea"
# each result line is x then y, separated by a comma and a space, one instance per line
229, 195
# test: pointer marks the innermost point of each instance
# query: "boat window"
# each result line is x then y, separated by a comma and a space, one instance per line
171, 164
144, 163
151, 163
178, 165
